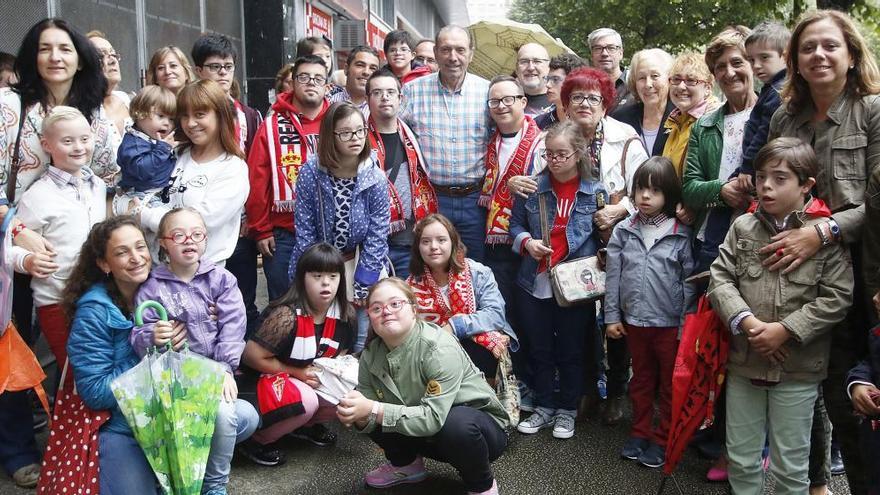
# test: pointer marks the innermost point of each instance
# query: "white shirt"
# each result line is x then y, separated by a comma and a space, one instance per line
506, 149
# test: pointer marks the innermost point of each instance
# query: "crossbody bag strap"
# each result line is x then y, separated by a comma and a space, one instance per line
16, 159
545, 228
321, 213
623, 160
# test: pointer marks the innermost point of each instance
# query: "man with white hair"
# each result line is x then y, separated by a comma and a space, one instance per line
606, 50
532, 66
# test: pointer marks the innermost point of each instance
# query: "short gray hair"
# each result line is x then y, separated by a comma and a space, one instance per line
601, 33
638, 58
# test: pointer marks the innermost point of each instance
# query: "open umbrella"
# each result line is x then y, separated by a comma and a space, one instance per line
497, 42
171, 402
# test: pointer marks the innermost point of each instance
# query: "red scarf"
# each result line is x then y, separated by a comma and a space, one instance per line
306, 347
424, 201
815, 207
496, 196
288, 151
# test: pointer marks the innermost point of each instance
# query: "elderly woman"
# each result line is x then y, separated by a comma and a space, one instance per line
648, 80
831, 101
115, 102
170, 69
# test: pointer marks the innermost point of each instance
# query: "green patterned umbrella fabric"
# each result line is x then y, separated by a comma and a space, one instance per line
497, 42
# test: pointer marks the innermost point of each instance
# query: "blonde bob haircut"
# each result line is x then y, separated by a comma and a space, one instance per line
653, 54
61, 113
206, 95
861, 80
692, 64
328, 156
731, 37
160, 54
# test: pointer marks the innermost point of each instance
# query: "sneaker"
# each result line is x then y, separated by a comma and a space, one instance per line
563, 426
493, 490
837, 467
27, 476
653, 457
535, 423
633, 448
317, 434
387, 475
264, 455
613, 412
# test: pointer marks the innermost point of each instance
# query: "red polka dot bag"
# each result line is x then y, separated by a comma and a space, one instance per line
70, 464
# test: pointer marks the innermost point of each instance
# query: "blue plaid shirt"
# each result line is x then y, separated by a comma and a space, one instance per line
452, 128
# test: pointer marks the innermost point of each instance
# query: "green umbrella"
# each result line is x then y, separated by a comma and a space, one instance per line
170, 401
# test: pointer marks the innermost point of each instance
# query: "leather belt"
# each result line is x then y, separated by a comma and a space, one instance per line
458, 190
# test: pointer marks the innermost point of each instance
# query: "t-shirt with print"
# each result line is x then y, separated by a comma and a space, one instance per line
566, 194
397, 170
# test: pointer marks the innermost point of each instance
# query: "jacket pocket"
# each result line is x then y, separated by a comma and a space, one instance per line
807, 274
848, 157
747, 261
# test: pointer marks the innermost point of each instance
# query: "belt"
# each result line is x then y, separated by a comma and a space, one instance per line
459, 190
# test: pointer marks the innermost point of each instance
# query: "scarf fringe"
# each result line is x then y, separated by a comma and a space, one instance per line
398, 226
279, 206
485, 200
499, 239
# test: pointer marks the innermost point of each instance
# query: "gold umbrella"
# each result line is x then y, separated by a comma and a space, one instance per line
498, 41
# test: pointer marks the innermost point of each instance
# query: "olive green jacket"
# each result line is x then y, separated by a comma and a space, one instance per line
419, 381
808, 301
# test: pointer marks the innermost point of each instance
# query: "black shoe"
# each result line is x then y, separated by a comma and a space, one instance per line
837, 467
317, 434
613, 411
264, 455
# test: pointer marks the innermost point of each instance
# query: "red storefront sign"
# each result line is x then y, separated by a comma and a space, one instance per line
377, 30
318, 22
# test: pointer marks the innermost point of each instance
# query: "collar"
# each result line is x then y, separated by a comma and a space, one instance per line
545, 184
460, 90
133, 130
62, 178
813, 208
656, 220
838, 109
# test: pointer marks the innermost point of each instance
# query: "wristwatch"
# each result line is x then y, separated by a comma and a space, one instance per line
374, 413
835, 229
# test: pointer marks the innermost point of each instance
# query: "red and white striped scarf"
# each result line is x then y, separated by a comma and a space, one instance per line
306, 347
288, 151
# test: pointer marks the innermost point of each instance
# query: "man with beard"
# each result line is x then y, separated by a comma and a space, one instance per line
532, 66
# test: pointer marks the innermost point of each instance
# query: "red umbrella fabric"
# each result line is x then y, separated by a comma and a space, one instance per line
697, 378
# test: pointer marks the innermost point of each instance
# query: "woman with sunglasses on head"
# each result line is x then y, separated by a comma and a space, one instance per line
419, 395
342, 199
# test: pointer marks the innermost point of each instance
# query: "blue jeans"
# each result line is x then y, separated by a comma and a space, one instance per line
363, 328
243, 265
399, 256
236, 422
124, 468
275, 267
18, 448
469, 219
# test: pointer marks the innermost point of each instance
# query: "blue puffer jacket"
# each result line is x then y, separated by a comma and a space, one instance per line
99, 351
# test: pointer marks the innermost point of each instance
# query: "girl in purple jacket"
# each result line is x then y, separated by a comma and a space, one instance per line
205, 310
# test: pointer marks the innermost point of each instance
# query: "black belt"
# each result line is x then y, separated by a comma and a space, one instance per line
458, 190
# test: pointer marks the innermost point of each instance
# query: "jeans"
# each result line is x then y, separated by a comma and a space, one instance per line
557, 342
243, 265
785, 410
275, 267
363, 328
18, 448
469, 219
124, 468
399, 256
236, 422
469, 440
504, 264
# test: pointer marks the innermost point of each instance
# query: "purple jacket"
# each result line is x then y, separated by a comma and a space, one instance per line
222, 339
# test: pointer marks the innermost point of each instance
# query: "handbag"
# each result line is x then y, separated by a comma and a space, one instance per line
507, 388
576, 281
616, 197
71, 464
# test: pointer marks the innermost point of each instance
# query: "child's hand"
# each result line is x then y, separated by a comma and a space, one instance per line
162, 332
40, 265
353, 408
230, 388
615, 330
537, 249
179, 336
866, 399
744, 182
767, 338
169, 138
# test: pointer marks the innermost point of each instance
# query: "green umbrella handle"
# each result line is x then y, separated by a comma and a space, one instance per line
139, 312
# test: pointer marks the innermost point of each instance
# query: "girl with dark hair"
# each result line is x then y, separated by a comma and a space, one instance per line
342, 199
313, 319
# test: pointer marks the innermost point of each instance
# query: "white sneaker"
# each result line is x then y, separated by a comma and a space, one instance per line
535, 423
563, 426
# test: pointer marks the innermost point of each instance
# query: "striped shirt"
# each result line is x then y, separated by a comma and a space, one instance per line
452, 127
72, 186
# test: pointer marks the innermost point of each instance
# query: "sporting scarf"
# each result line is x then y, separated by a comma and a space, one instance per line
241, 127
288, 152
306, 347
496, 196
596, 152
432, 306
424, 201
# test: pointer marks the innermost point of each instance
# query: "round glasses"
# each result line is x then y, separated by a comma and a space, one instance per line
196, 236
351, 135
376, 309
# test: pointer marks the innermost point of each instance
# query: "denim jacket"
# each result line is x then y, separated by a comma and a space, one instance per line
525, 224
644, 286
370, 220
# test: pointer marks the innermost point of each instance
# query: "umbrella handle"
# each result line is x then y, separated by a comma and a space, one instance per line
139, 312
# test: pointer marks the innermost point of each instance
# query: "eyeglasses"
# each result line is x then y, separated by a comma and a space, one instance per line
399, 49
506, 100
196, 236
376, 309
384, 93
216, 68
306, 79
553, 80
556, 157
675, 81
592, 100
350, 135
605, 48
425, 60
525, 62
113, 55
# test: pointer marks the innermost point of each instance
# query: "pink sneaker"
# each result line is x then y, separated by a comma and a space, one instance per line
493, 490
387, 475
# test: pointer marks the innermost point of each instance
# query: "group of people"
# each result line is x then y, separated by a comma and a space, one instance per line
413, 215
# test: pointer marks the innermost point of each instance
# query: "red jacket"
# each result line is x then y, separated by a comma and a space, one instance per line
260, 217
415, 74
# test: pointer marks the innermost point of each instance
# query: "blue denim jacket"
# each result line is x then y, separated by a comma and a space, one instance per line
645, 286
525, 224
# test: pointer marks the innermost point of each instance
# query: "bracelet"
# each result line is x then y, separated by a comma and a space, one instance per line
17, 229
822, 237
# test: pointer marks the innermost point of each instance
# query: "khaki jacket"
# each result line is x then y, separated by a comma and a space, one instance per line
420, 381
847, 145
808, 301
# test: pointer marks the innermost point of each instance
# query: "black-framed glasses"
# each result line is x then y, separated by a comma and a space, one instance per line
551, 156
216, 68
394, 306
351, 135
675, 81
306, 79
506, 100
178, 237
384, 93
592, 100
605, 48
